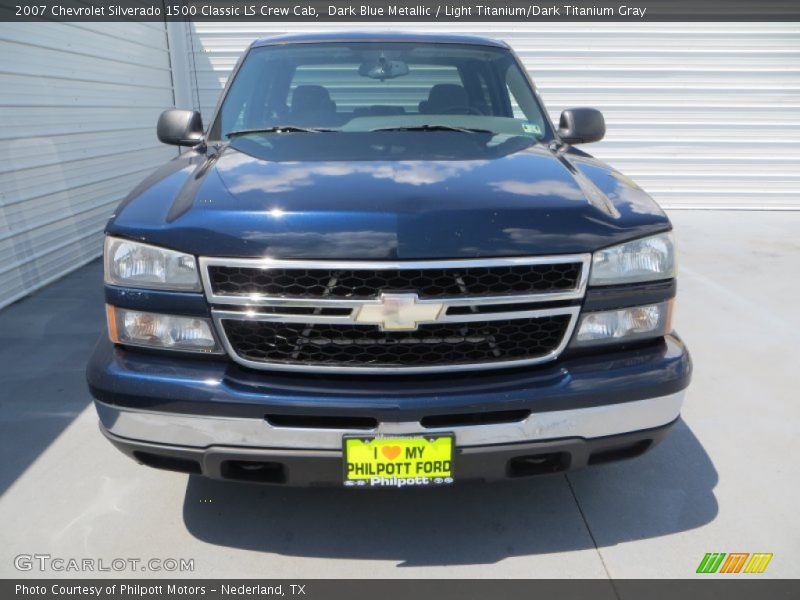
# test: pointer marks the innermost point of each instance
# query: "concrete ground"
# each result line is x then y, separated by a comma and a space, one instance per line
726, 480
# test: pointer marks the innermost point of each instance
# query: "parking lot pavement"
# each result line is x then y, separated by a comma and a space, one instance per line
724, 481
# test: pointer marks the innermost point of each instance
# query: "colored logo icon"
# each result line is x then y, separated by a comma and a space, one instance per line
734, 562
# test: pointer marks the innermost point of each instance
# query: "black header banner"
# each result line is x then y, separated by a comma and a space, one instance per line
399, 10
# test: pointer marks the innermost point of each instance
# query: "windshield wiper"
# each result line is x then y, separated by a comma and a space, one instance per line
434, 128
279, 129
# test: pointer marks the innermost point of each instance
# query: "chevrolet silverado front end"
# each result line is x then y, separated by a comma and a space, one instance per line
382, 265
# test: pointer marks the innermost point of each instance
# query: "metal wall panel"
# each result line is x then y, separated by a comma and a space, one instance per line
702, 115
78, 109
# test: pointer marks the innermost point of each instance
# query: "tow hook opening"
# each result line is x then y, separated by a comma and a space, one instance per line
538, 464
260, 471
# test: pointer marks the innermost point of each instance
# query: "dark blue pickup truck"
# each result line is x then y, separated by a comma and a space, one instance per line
383, 266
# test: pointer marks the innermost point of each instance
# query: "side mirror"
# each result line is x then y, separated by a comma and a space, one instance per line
180, 127
581, 126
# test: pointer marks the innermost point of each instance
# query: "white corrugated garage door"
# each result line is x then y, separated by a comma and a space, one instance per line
78, 109
702, 115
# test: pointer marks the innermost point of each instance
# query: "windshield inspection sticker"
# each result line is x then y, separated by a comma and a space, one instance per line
531, 128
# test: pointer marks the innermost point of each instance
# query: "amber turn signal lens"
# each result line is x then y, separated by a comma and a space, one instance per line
154, 330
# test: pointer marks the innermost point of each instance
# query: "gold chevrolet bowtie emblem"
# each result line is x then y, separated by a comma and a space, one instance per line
398, 312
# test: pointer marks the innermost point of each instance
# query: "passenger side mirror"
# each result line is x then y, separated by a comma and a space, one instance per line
581, 126
180, 127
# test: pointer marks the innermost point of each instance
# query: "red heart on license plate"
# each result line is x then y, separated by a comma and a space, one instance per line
391, 452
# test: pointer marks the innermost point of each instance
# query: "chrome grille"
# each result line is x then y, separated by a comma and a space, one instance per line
368, 346
367, 283
405, 316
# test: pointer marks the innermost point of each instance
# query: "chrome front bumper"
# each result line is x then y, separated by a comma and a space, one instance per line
201, 431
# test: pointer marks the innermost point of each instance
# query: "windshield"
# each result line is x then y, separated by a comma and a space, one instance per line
369, 86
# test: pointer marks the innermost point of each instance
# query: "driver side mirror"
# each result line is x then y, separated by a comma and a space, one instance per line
581, 126
180, 127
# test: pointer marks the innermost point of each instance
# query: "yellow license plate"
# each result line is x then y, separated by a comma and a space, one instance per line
398, 461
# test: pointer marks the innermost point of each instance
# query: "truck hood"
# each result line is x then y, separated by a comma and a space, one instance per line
386, 200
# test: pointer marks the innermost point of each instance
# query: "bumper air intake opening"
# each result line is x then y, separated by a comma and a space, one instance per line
619, 452
322, 422
485, 418
245, 470
538, 464
168, 463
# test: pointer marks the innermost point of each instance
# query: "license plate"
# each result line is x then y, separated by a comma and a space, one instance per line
398, 461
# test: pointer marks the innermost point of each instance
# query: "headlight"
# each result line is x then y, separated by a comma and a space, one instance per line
142, 265
170, 332
648, 259
625, 324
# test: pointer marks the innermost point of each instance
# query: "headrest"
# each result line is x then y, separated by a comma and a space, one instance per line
444, 96
311, 98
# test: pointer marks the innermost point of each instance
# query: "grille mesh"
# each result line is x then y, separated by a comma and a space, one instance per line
367, 346
368, 283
